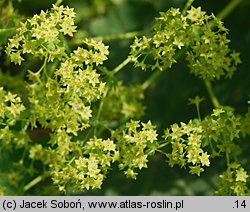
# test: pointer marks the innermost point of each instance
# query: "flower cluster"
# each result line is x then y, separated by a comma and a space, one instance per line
64, 101
40, 35
11, 109
87, 122
135, 145
186, 141
218, 131
10, 106
9, 16
95, 53
60, 99
89, 169
222, 129
157, 53
210, 57
204, 39
233, 181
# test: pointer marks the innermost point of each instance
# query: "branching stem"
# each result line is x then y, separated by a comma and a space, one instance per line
160, 151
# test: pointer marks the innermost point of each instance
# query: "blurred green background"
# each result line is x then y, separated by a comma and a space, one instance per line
167, 98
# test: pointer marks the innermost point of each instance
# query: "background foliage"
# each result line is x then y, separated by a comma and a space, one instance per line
166, 99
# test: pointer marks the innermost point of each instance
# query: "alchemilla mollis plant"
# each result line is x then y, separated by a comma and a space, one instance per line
77, 120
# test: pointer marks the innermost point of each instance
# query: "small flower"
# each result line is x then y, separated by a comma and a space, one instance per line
130, 173
109, 145
175, 11
204, 158
142, 161
67, 28
193, 155
176, 132
69, 12
217, 112
148, 126
151, 135
178, 43
195, 14
196, 170
16, 57
236, 57
132, 125
36, 151
194, 140
241, 175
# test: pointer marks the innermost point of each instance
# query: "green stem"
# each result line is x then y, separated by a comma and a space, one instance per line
44, 68
160, 151
212, 148
212, 96
89, 132
228, 159
121, 36
33, 182
198, 111
101, 104
7, 29
100, 109
101, 129
163, 144
222, 15
121, 65
149, 81
187, 6
65, 43
228, 9
58, 2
